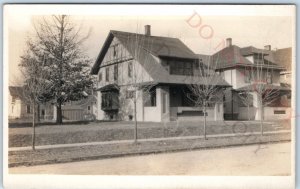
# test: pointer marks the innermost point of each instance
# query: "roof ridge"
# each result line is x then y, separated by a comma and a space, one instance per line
132, 33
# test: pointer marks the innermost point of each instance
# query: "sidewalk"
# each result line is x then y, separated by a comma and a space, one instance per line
140, 140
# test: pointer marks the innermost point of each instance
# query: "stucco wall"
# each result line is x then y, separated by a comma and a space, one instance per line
269, 113
243, 113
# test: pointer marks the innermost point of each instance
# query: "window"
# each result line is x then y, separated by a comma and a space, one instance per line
247, 76
153, 98
110, 101
13, 100
150, 98
181, 68
130, 69
115, 50
43, 112
28, 109
279, 111
129, 94
269, 78
100, 76
164, 101
107, 74
89, 108
115, 72
258, 59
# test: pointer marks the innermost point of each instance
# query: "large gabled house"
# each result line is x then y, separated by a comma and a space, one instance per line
246, 70
163, 65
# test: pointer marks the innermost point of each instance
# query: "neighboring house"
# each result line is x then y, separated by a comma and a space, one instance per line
20, 109
163, 65
284, 57
245, 69
85, 109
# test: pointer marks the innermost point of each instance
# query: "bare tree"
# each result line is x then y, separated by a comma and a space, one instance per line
266, 92
37, 86
207, 87
261, 88
141, 86
60, 39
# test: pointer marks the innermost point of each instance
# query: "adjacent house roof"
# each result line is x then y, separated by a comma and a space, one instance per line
234, 56
16, 91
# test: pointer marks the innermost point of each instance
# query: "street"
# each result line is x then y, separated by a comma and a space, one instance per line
267, 159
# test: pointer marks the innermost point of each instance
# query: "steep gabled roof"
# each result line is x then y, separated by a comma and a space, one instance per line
150, 49
155, 45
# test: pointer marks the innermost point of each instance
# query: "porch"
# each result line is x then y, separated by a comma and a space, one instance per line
172, 103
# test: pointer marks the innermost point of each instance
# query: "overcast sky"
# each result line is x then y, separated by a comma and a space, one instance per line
246, 25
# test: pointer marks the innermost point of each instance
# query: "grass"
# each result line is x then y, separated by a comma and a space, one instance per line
108, 131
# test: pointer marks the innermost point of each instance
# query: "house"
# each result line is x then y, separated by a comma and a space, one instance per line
19, 108
284, 57
152, 72
256, 72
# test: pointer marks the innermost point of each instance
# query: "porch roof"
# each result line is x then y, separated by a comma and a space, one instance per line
109, 87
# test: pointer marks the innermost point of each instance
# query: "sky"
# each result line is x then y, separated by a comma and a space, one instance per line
201, 28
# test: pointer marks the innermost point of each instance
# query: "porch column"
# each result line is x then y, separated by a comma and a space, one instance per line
163, 102
140, 106
219, 112
100, 112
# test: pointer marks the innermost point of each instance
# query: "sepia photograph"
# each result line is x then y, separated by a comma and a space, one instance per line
183, 96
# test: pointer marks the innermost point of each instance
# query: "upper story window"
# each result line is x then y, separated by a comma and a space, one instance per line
107, 74
28, 109
181, 68
115, 50
258, 59
269, 78
100, 76
130, 69
247, 76
115, 72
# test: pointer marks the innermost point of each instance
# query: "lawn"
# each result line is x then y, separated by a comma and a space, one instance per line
108, 131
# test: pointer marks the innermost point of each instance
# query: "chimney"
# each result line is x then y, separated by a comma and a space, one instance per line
268, 47
147, 30
228, 42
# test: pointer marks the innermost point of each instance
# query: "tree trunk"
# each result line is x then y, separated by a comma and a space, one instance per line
261, 120
33, 127
204, 126
248, 112
59, 114
135, 123
38, 113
